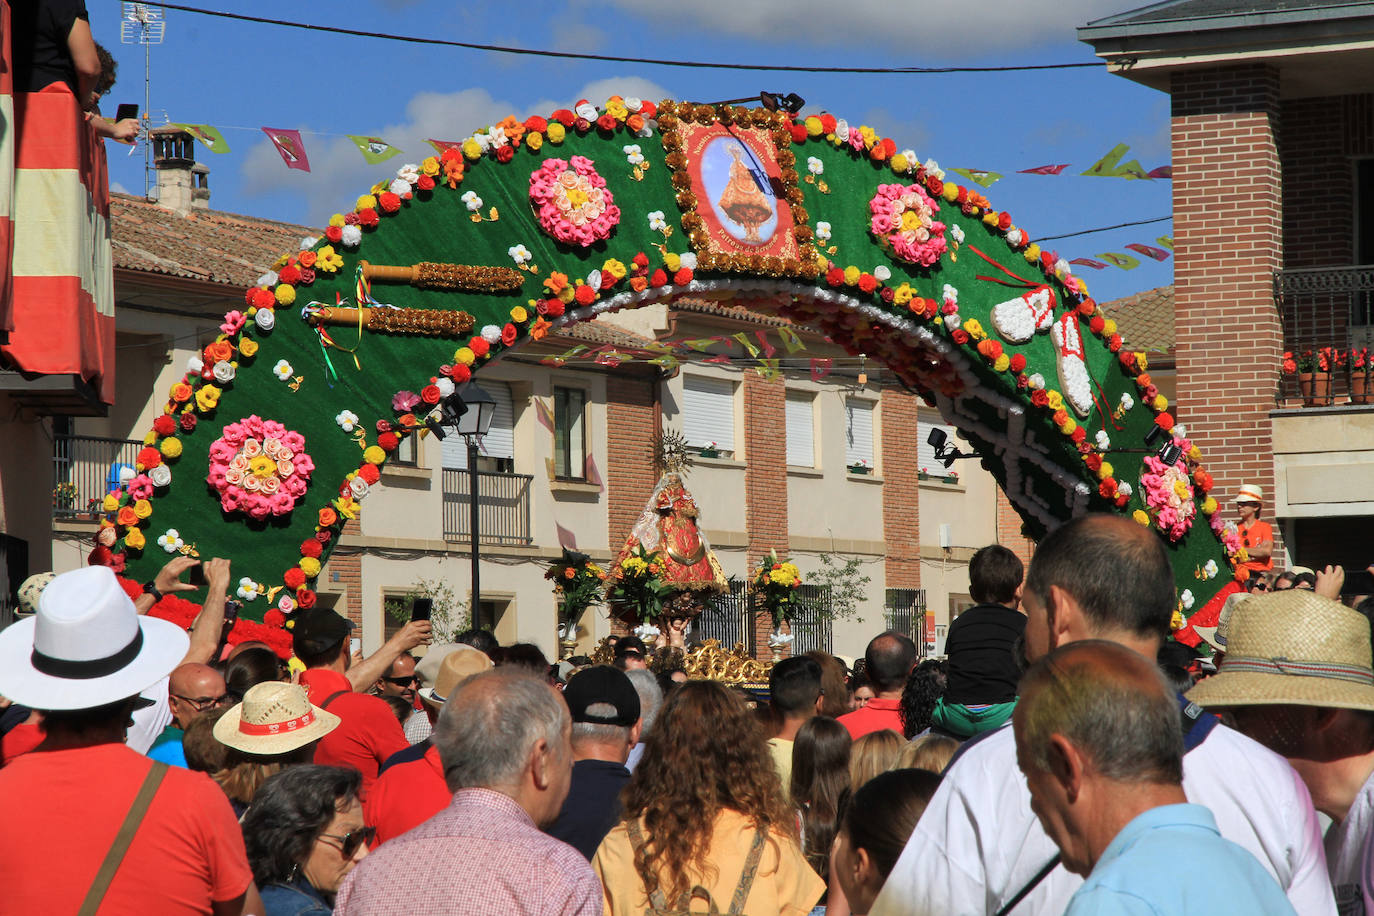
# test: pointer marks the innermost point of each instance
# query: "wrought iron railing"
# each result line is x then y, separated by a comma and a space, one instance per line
1325, 307
904, 611
85, 468
811, 620
503, 507
726, 618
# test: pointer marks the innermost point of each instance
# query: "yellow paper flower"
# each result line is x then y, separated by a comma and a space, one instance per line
1161, 402
556, 132
374, 454
1142, 360
1105, 471
1055, 399
337, 220
261, 466
133, 539
111, 503
519, 315
365, 202
975, 329
534, 141
616, 109
1032, 253
991, 217
1209, 506
286, 294
207, 398
1109, 327
851, 275
1070, 424
869, 136
950, 192
472, 149
900, 163
1176, 621
248, 347
171, 447
1195, 453
150, 437
814, 127
903, 294
672, 261
617, 268
310, 566
430, 166
465, 356
143, 508
1140, 516
328, 260
1002, 363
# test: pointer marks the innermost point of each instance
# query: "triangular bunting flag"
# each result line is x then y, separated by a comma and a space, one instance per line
820, 368
1109, 165
543, 414
612, 358
768, 369
1089, 262
565, 537
1166, 241
1044, 170
441, 145
1116, 259
747, 343
559, 360
593, 475
209, 137
700, 344
791, 340
666, 361
768, 348
981, 177
1159, 254
374, 149
290, 146
1164, 171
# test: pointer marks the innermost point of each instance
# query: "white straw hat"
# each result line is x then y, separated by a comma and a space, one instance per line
274, 718
457, 666
1249, 493
1293, 648
86, 646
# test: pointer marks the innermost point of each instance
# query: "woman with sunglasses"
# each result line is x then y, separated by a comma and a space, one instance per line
304, 833
1256, 537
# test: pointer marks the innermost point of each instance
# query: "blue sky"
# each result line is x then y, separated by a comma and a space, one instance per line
241, 76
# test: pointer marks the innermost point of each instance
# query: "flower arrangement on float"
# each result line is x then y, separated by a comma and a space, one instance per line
775, 585
577, 584
639, 590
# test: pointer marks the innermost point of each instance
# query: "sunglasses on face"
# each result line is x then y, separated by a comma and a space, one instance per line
401, 681
203, 704
1259, 587
352, 840
1251, 505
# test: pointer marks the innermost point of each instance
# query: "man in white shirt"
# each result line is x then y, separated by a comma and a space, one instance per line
1297, 678
978, 845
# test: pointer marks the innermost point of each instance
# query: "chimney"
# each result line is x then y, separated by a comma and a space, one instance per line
182, 183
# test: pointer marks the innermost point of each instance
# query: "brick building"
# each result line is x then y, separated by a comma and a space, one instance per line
1272, 125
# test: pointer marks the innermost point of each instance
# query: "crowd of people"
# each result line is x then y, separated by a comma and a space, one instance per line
1061, 757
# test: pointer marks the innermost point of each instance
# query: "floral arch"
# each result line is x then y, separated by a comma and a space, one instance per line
276, 433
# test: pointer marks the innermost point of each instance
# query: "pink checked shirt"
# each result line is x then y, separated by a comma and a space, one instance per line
480, 855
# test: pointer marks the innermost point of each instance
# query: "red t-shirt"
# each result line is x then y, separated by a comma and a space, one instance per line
19, 741
61, 811
368, 732
407, 795
1249, 537
874, 716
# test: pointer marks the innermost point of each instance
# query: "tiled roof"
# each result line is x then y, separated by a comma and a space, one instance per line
600, 332
208, 245
1146, 319
1190, 12
737, 312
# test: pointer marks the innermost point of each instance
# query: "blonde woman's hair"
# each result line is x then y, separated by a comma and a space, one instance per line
872, 754
928, 752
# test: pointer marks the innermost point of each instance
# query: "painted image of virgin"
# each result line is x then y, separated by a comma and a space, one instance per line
746, 201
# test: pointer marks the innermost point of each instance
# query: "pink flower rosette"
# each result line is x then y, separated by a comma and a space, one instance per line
1169, 496
571, 201
259, 467
903, 218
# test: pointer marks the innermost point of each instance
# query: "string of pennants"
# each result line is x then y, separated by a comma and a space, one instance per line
291, 147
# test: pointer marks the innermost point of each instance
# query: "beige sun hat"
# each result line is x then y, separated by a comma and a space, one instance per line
458, 665
1216, 636
273, 718
1294, 648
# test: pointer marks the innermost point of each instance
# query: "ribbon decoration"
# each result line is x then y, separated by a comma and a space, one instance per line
747, 344
791, 340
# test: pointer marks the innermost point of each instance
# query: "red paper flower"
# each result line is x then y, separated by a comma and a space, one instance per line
425, 183
294, 578
1018, 362
959, 336
389, 202
335, 233
311, 548
289, 274
1092, 462
835, 276
1096, 324
565, 117
274, 618
1039, 398
388, 441
536, 124
798, 132
1078, 434
187, 422
867, 283
505, 153
149, 457
164, 425
368, 218
585, 295
305, 597
1114, 343
479, 346
461, 374
683, 276
430, 394
369, 473
508, 334
1107, 488
658, 278
1165, 421
606, 122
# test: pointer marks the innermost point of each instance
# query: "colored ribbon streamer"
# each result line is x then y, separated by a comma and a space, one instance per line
1021, 281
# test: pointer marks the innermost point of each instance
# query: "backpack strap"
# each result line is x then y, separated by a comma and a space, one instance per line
656, 899
746, 878
332, 697
123, 839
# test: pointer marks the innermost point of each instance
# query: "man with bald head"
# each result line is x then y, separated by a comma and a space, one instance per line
888, 660
192, 690
979, 847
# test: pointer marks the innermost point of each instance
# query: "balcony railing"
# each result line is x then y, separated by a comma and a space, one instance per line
1325, 307
85, 468
503, 508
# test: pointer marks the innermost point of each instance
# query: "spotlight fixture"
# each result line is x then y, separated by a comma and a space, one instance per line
945, 453
1169, 453
775, 101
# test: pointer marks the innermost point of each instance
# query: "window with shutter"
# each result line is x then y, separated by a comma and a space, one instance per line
858, 432
496, 450
925, 452
801, 430
708, 413
569, 442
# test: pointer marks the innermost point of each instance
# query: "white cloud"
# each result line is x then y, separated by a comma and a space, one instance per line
942, 28
117, 188
338, 173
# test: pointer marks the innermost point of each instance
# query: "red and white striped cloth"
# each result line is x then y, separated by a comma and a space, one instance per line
56, 273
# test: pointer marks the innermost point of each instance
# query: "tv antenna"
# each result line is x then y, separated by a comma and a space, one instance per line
141, 24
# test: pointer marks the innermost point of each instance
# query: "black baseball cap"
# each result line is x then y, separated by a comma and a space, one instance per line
602, 684
317, 630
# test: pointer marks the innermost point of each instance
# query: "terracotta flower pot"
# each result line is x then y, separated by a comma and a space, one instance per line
1315, 388
1361, 391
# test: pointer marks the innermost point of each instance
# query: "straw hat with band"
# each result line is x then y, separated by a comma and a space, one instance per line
458, 665
273, 718
1292, 648
62, 658
1216, 636
1249, 493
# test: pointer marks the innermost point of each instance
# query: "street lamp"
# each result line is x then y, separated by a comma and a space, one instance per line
475, 409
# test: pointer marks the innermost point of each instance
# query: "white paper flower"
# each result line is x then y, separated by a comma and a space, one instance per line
933, 168
633, 103
657, 223
594, 279
519, 254
171, 541
352, 236
1124, 488
949, 294
195, 365
883, 273
265, 319
822, 231
358, 487
633, 154
347, 420
308, 242
911, 158
1014, 236
1186, 599
1127, 402
1180, 431
647, 632
224, 372
645, 131
445, 386
283, 370
1210, 569
814, 165
160, 475
491, 333
842, 129
1104, 441
400, 187
688, 259
248, 589
474, 203
410, 172
1061, 268
1036, 381
268, 279
585, 110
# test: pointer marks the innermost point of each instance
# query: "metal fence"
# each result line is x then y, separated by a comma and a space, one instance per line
811, 621
1325, 307
726, 618
503, 507
904, 612
85, 468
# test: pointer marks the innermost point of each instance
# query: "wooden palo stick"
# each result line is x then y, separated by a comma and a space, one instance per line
450, 277
423, 322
